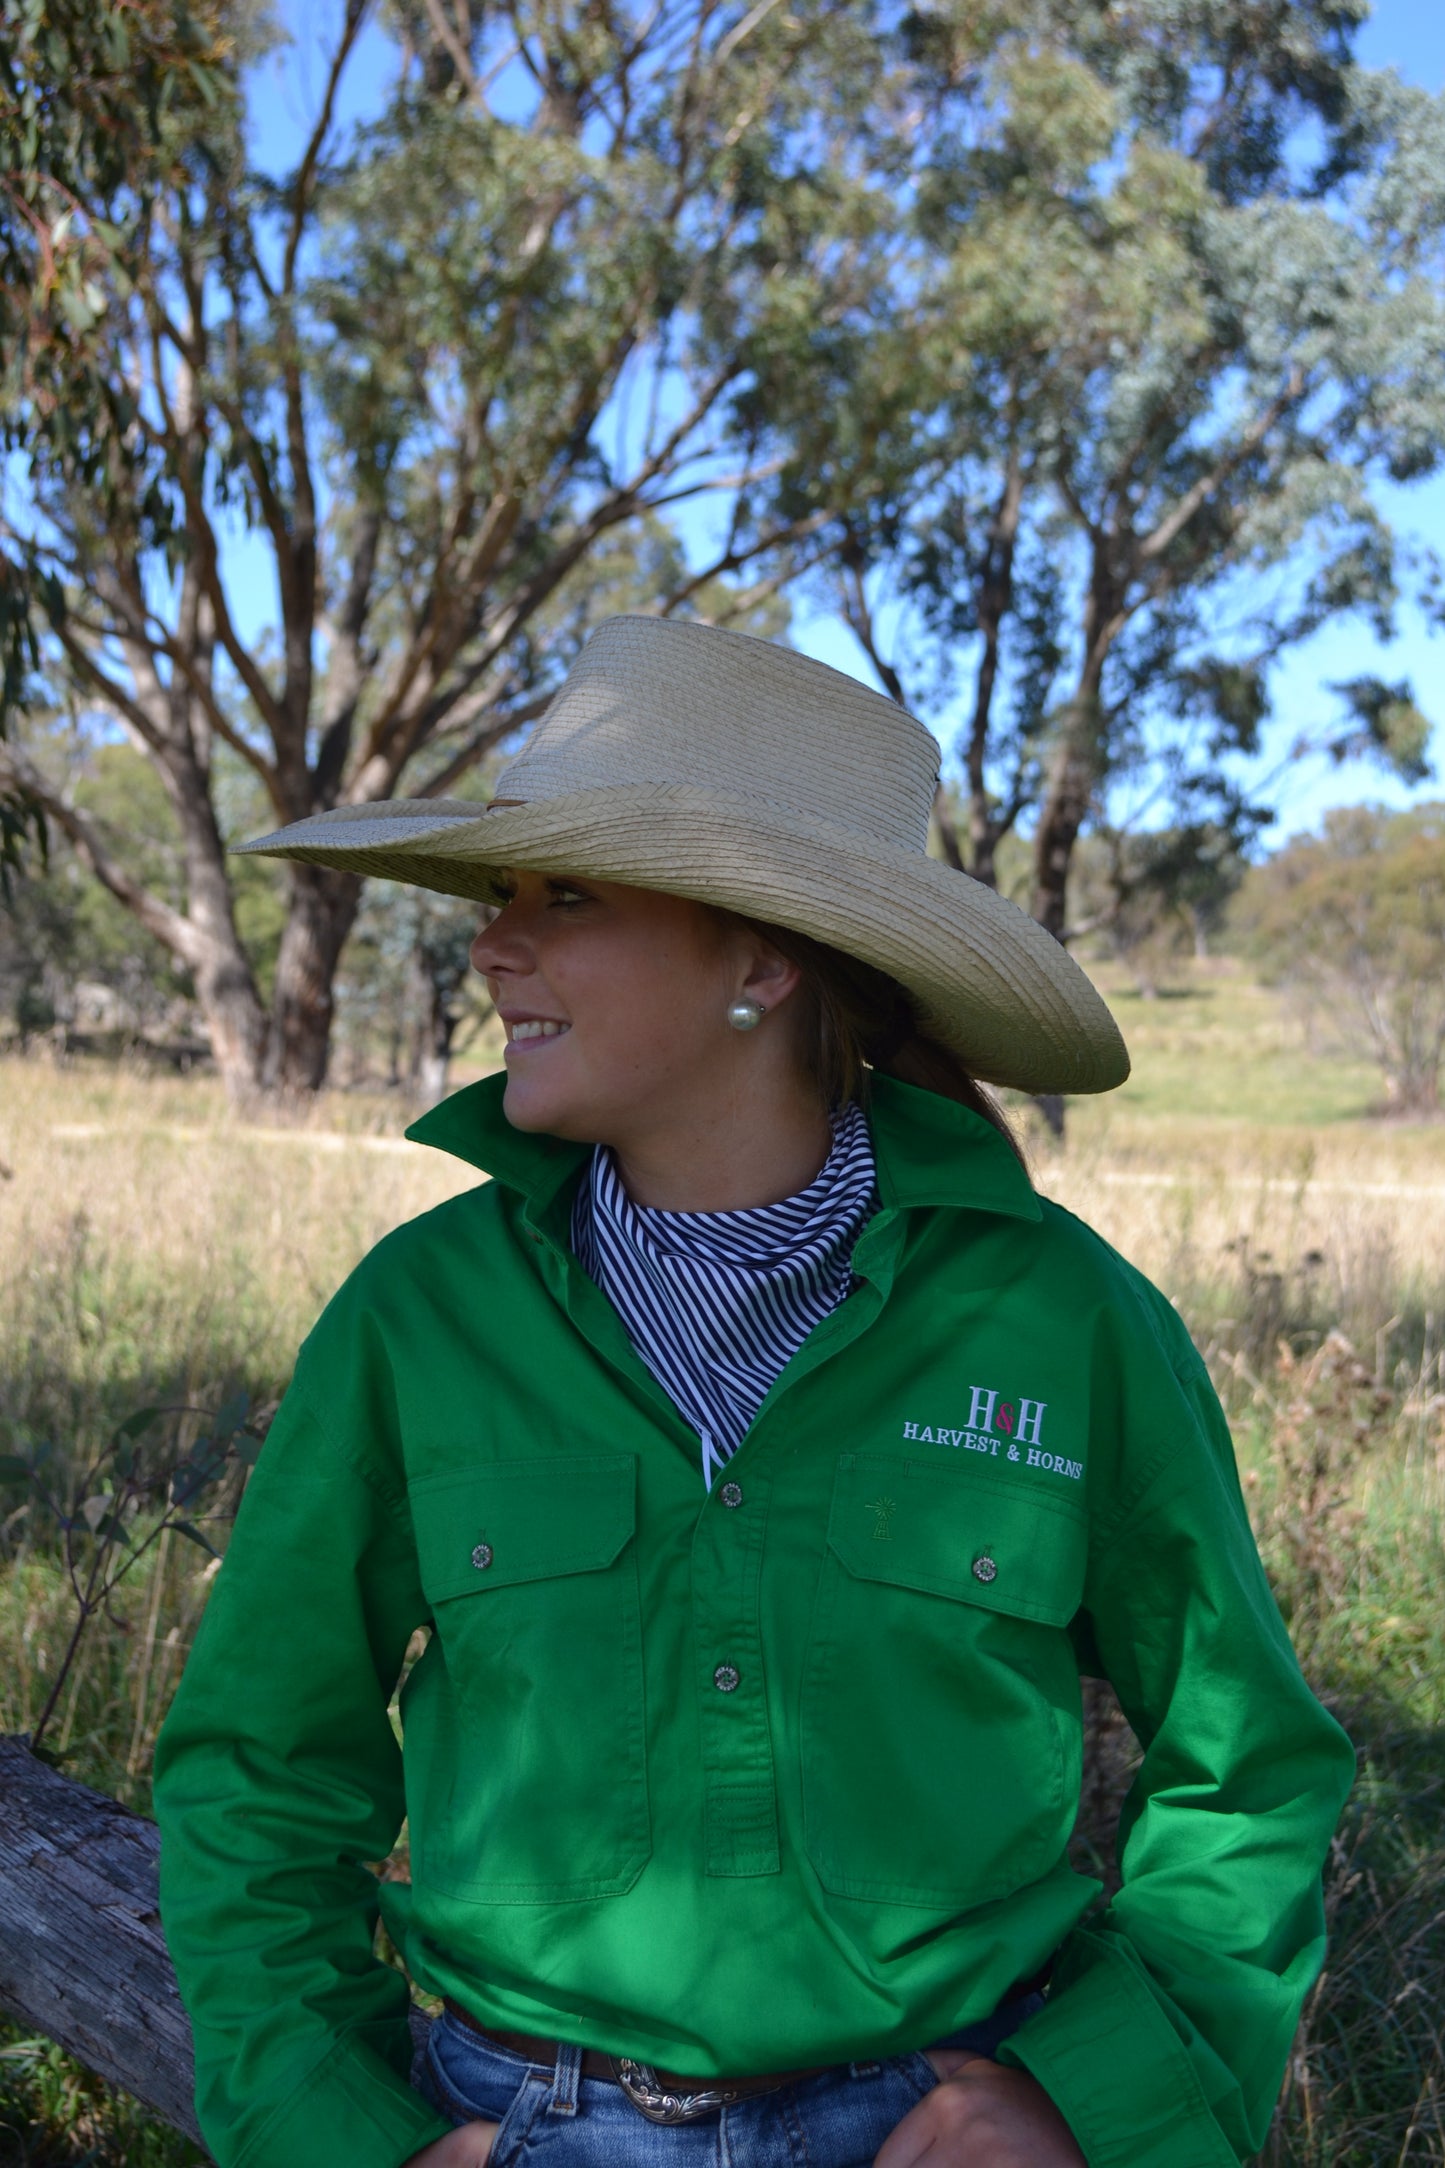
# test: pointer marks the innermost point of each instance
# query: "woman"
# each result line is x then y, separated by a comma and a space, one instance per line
767, 1461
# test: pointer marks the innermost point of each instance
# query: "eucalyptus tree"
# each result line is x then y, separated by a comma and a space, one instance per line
1353, 920
1177, 299
1255, 347
93, 94
436, 371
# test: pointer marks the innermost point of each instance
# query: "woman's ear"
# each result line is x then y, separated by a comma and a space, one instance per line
769, 976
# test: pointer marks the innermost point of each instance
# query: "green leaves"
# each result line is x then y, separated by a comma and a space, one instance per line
1388, 725
193, 1535
97, 104
1151, 365
213, 1452
1354, 917
134, 1425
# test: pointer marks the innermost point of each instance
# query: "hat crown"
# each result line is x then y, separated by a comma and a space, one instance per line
654, 700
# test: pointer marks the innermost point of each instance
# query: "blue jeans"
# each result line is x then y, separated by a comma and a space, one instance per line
836, 2120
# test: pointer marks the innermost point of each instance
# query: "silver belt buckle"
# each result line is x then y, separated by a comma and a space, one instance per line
640, 2083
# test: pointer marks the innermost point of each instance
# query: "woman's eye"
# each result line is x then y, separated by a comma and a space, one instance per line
569, 896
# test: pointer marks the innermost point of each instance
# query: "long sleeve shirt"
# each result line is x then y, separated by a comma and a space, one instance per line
774, 1775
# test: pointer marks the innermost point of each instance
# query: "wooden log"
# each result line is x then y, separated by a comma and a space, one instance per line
82, 1956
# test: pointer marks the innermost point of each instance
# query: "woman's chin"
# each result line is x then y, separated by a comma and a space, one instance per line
524, 1106
532, 1103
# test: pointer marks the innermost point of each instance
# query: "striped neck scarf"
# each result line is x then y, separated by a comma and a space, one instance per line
715, 1303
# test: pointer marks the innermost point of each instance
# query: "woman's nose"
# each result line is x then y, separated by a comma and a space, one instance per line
481, 953
500, 946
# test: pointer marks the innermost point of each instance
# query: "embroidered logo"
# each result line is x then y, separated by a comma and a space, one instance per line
1004, 1429
883, 1510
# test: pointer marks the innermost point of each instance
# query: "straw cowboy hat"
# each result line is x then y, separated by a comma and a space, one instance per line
710, 764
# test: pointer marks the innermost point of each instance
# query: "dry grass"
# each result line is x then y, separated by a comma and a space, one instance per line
156, 1206
1172, 1189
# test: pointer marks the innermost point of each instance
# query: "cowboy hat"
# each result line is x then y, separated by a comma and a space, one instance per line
707, 763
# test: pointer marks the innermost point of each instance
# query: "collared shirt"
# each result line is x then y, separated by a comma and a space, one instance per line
775, 1775
716, 1303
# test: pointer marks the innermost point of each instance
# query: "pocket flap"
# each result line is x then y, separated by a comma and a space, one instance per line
521, 1520
958, 1532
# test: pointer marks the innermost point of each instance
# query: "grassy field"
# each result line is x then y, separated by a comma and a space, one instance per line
153, 1249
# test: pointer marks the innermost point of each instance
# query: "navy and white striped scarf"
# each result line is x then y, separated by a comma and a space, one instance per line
715, 1303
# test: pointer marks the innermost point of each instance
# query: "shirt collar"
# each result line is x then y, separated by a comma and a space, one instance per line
928, 1150
931, 1150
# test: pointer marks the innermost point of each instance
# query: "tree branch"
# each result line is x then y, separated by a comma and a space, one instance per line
124, 703
147, 636
398, 732
306, 171
750, 598
167, 925
480, 744
298, 565
273, 512
1155, 544
853, 598
457, 52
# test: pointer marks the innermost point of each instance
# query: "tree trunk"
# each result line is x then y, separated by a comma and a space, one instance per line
322, 912
82, 1956
1051, 1106
983, 842
947, 831
1070, 794
1413, 1092
1072, 782
220, 968
1077, 770
436, 1028
1080, 758
995, 601
433, 1068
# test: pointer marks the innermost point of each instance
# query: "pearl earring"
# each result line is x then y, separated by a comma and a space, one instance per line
745, 1015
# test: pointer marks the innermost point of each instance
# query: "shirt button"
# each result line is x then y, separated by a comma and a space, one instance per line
725, 1678
984, 1569
482, 1557
732, 1494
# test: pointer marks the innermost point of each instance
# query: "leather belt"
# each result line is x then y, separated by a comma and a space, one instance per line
667, 2096
663, 2096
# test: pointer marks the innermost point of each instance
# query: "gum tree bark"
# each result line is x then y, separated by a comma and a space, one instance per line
82, 1956
322, 912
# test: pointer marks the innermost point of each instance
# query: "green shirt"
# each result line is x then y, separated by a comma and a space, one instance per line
773, 1776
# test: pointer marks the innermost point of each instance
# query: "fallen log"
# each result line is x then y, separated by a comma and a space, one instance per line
82, 1956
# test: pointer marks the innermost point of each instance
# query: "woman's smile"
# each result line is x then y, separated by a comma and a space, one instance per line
531, 1030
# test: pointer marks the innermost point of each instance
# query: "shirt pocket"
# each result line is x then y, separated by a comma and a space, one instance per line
524, 1718
941, 1732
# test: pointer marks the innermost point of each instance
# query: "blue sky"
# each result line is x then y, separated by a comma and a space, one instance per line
1406, 34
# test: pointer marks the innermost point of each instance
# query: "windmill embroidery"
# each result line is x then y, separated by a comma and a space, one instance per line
883, 1510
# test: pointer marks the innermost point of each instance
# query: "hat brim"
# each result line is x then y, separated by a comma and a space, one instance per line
989, 981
